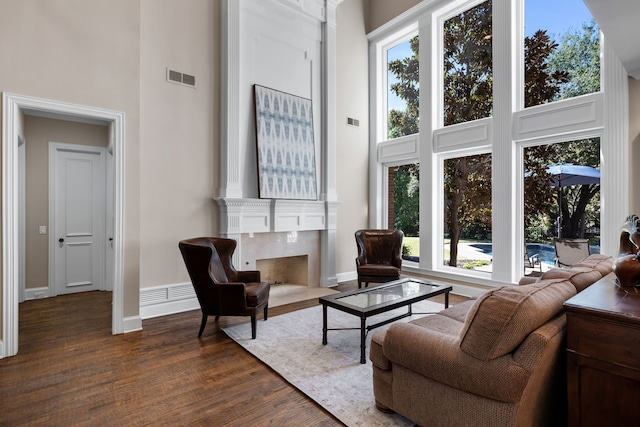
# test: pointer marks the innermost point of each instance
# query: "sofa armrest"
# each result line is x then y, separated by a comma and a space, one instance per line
527, 280
438, 356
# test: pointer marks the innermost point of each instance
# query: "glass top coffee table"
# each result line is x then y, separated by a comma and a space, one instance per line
378, 299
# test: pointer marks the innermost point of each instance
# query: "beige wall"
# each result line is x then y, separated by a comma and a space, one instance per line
379, 12
38, 132
179, 133
352, 168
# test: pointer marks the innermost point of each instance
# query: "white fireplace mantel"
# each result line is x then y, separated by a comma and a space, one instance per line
238, 216
287, 45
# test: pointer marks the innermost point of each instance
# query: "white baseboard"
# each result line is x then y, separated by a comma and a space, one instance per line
36, 293
168, 299
132, 324
2, 355
345, 277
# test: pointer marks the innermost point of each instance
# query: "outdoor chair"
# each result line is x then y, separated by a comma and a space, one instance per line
531, 261
221, 290
379, 255
570, 251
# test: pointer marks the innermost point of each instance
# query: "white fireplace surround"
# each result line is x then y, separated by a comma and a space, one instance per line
287, 45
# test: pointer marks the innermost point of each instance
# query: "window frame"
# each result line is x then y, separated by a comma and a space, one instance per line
505, 134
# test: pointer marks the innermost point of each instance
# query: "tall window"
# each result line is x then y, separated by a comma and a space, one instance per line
403, 89
486, 183
468, 65
467, 212
561, 195
404, 207
468, 96
562, 51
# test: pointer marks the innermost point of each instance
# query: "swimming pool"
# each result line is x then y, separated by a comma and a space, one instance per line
546, 253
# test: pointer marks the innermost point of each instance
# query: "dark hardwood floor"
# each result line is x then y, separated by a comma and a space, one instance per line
71, 371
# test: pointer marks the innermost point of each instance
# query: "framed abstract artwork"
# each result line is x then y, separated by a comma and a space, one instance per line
286, 149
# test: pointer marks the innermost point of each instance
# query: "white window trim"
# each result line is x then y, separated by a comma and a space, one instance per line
610, 123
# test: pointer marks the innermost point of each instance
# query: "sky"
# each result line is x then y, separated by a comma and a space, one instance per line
565, 15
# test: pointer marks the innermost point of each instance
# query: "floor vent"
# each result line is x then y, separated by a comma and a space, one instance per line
178, 77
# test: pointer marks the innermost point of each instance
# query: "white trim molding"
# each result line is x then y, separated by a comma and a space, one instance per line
36, 293
13, 107
313, 37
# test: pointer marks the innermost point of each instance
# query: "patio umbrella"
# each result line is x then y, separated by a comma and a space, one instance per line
567, 174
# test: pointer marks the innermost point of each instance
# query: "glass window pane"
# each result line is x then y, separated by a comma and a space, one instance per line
467, 212
562, 51
404, 207
403, 89
468, 65
562, 196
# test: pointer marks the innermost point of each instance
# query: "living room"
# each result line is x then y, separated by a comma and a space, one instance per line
115, 56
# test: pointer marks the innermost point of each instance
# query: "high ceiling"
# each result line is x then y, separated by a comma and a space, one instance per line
619, 21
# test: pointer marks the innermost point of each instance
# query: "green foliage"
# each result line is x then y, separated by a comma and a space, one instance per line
474, 264
578, 55
407, 88
468, 65
406, 196
542, 83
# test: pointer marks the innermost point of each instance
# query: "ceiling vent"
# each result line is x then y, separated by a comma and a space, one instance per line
181, 78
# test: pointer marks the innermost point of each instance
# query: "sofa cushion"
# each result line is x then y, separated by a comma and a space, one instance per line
602, 263
580, 277
501, 319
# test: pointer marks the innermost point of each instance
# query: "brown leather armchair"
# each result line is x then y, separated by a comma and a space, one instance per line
221, 290
379, 255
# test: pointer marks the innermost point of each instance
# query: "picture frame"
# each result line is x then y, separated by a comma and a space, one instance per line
285, 145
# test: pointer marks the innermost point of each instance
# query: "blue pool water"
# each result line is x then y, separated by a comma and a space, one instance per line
546, 253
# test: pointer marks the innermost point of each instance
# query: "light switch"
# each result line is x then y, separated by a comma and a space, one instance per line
43, 229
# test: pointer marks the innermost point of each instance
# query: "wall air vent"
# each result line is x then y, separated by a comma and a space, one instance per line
189, 80
353, 122
181, 78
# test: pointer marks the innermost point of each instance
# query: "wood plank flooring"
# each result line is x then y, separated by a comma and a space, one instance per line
70, 370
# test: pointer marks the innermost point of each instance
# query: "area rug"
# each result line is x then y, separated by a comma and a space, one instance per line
331, 375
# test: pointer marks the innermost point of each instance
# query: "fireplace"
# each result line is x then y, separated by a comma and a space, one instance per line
290, 270
284, 257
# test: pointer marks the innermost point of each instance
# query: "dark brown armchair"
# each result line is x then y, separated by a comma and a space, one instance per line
221, 290
379, 255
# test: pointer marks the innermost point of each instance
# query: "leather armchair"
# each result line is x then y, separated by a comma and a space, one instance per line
220, 288
379, 255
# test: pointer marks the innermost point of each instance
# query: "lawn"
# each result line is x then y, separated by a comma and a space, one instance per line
412, 244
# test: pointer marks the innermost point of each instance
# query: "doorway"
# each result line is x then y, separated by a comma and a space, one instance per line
15, 107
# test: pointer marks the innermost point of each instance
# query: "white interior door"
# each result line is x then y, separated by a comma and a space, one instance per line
77, 209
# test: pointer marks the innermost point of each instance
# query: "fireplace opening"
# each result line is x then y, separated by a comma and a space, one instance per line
292, 270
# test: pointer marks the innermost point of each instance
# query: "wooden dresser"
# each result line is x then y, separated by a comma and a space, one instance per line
603, 355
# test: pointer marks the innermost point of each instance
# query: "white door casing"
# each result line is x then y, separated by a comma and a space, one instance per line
13, 106
76, 218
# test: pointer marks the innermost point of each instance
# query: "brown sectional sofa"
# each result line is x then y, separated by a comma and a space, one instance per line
497, 360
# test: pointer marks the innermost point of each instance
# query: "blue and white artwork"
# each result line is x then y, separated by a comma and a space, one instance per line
286, 150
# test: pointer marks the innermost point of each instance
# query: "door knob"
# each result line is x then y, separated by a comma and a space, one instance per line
61, 240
